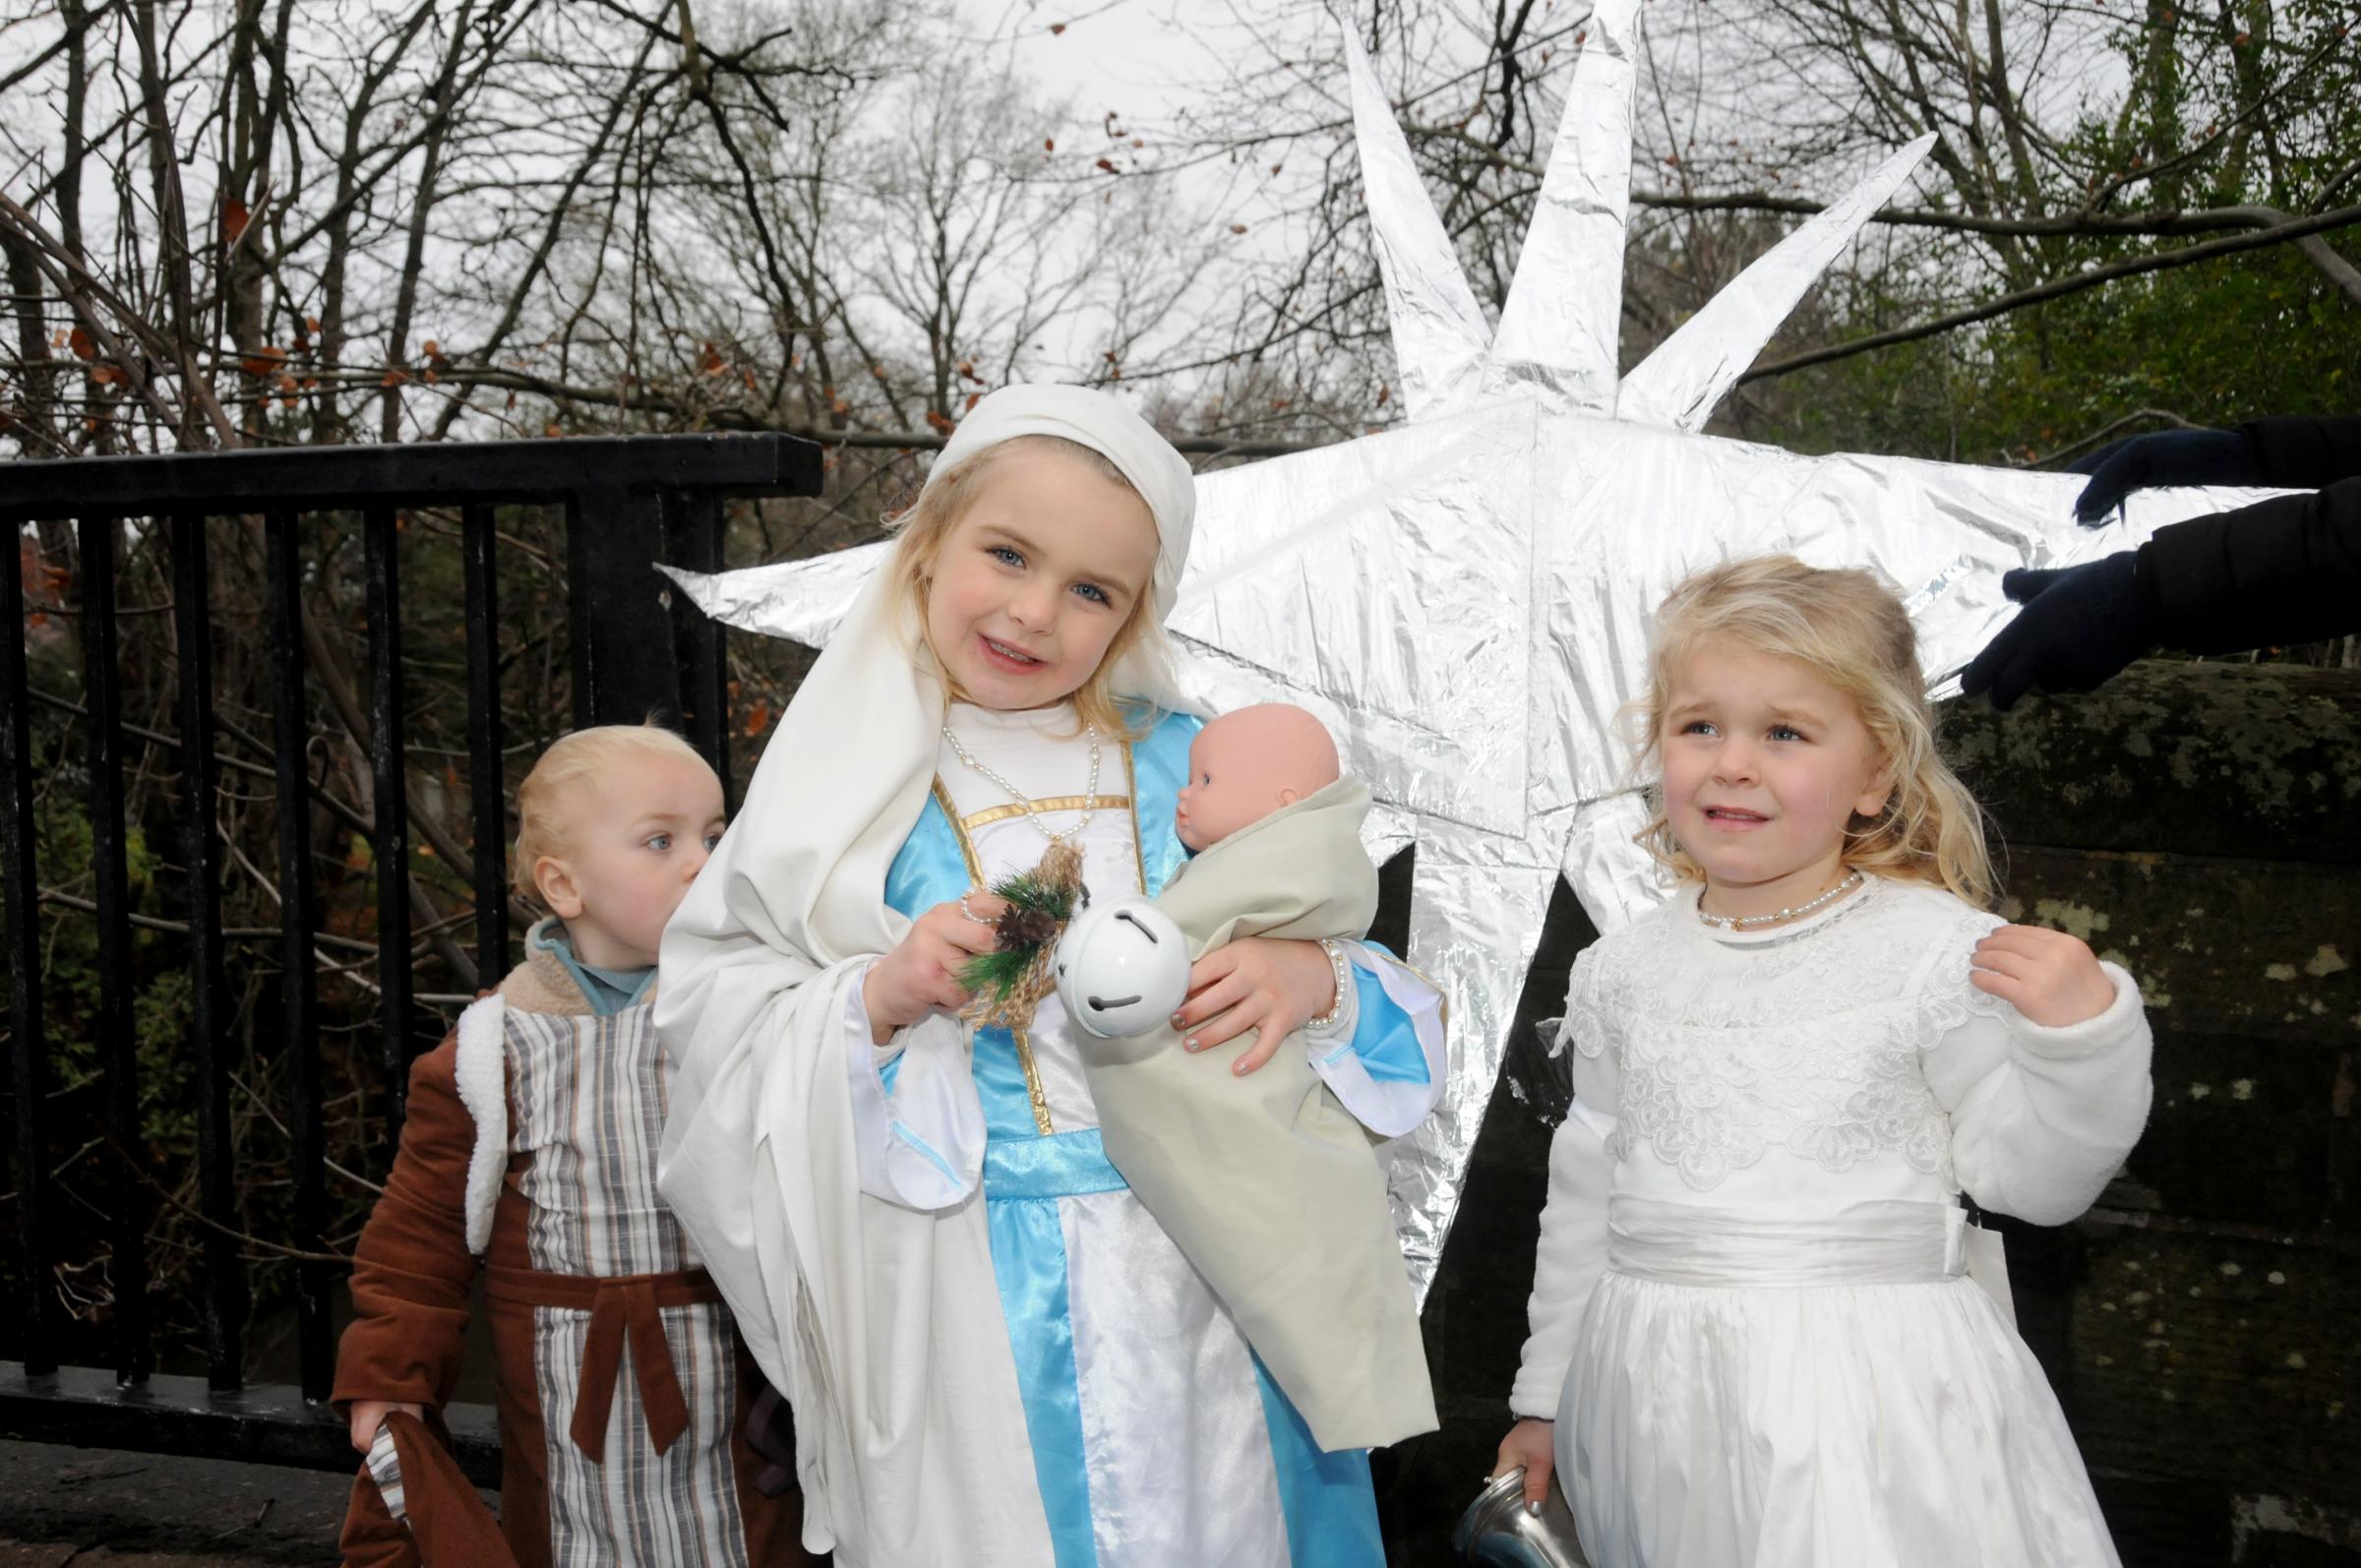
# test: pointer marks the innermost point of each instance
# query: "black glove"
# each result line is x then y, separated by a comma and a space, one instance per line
2080, 625
2161, 458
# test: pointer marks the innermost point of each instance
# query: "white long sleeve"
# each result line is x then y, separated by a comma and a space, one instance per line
1388, 1078
1572, 1251
1571, 1256
2041, 1118
918, 1125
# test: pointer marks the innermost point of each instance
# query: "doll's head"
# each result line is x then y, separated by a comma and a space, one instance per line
1788, 720
613, 823
1244, 766
1028, 569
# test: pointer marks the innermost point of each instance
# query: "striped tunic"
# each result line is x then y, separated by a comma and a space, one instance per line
587, 1095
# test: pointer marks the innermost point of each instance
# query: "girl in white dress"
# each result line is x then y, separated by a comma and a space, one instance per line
995, 1354
1763, 1330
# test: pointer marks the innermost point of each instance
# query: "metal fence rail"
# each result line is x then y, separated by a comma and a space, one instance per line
630, 503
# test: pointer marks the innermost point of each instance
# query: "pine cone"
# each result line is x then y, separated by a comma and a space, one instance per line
1021, 930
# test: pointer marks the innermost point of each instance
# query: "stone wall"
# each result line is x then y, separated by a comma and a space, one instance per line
2202, 825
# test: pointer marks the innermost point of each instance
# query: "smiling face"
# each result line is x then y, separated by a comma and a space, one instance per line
1766, 764
633, 838
1030, 586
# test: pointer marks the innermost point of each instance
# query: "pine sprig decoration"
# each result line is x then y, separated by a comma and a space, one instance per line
1007, 984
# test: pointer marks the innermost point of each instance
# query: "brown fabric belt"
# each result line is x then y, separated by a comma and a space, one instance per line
621, 1306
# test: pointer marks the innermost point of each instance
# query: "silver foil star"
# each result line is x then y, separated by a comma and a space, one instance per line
1466, 597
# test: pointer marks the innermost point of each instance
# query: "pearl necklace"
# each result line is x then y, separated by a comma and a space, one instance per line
1024, 803
1852, 880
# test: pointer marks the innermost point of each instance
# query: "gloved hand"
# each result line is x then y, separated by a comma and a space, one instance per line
2159, 457
2080, 625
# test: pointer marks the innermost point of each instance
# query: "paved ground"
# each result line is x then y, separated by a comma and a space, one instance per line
96, 1506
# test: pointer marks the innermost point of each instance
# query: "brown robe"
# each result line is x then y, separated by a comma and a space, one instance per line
411, 1281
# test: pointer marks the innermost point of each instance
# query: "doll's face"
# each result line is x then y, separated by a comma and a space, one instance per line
1032, 584
634, 839
1244, 766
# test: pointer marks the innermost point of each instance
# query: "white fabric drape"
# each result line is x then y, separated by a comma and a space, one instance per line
853, 1306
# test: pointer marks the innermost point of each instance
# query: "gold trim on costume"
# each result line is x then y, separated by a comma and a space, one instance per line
1140, 855
1061, 802
1024, 1045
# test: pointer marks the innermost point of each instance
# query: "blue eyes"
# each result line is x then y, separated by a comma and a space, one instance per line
712, 842
1009, 556
659, 842
1777, 732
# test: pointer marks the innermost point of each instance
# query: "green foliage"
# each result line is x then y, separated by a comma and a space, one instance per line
2242, 337
996, 973
2243, 105
1031, 890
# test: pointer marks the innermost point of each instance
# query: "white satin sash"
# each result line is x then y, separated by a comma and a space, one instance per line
1876, 1241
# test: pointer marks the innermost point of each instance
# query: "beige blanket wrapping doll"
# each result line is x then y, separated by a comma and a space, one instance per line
1268, 1184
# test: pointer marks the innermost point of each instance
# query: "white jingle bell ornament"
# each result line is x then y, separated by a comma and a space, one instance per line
1123, 967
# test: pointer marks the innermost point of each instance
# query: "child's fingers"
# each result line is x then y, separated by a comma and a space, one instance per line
1215, 966
2006, 940
1266, 1046
945, 992
2009, 961
1218, 1031
1536, 1483
1992, 983
1526, 1447
1216, 999
2037, 942
946, 923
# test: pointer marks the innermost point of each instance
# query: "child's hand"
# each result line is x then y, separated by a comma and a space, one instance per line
2046, 975
1266, 984
368, 1415
1527, 1444
923, 972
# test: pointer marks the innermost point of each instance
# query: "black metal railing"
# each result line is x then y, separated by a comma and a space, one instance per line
629, 503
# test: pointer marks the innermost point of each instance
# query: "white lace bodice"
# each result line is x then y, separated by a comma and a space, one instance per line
1810, 1069
1804, 1043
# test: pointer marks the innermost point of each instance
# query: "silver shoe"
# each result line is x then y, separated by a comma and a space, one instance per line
1498, 1532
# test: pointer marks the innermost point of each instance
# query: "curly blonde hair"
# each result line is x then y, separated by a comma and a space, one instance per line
1849, 629
920, 533
543, 818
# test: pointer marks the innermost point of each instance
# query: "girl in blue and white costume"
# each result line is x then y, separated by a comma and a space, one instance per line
995, 1354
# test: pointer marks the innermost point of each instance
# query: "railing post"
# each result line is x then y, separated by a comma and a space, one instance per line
390, 781
119, 1044
487, 782
621, 674
299, 1018
692, 538
208, 1040
28, 1047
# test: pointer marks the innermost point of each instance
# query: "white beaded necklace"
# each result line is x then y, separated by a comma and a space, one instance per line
1024, 802
1852, 880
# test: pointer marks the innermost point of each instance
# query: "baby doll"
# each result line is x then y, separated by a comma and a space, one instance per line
1264, 1180
530, 1148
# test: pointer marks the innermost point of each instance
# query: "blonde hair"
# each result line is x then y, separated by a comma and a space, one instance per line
571, 762
920, 533
1849, 629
